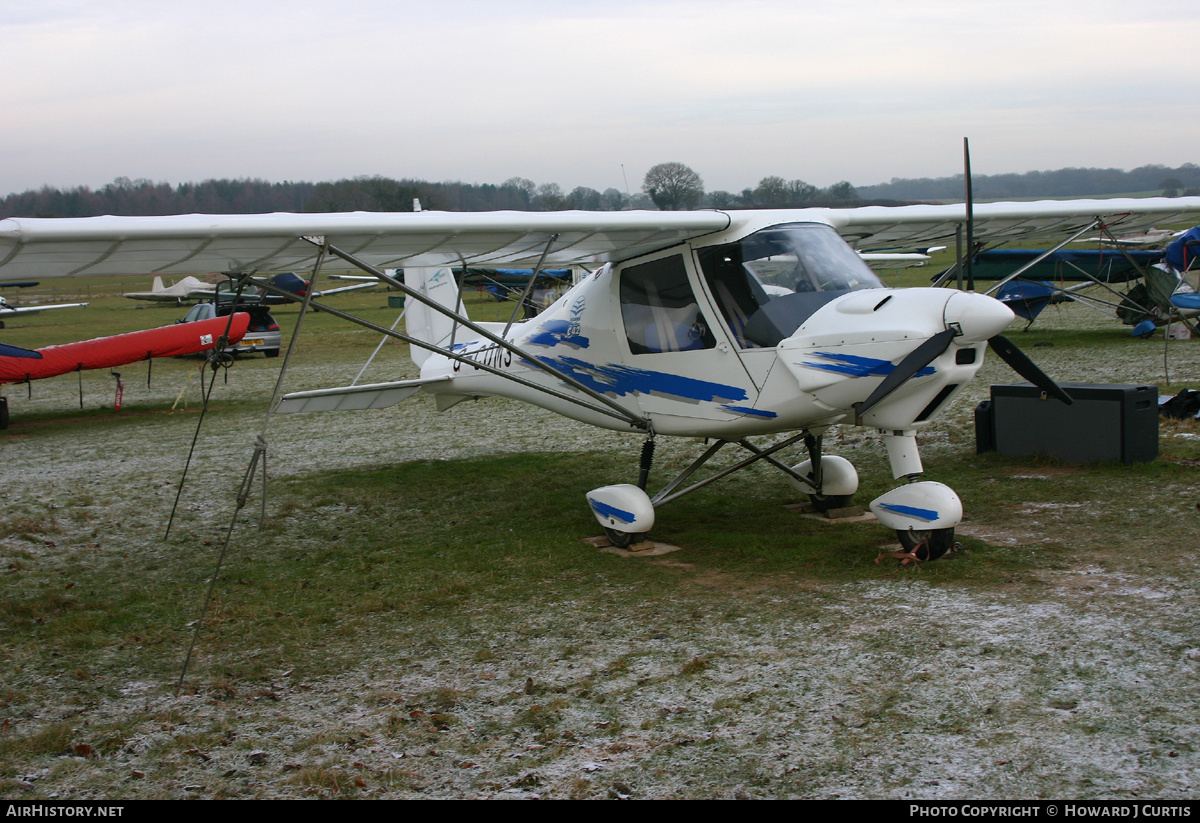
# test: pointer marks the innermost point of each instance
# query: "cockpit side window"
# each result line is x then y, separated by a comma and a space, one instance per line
660, 310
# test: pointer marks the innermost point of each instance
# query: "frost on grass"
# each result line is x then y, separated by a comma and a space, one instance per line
1077, 680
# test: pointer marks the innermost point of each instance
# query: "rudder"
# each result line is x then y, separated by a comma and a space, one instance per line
425, 324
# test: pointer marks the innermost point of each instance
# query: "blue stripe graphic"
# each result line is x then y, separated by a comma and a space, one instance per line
856, 366
605, 510
750, 411
622, 380
553, 332
912, 511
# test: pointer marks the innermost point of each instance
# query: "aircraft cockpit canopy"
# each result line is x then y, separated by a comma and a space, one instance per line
769, 283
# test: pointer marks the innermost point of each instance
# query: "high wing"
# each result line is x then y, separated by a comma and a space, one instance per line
42, 247
275, 242
879, 227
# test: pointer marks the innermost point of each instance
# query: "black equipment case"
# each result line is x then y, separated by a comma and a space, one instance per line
1106, 422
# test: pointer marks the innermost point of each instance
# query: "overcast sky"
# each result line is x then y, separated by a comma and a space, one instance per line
568, 92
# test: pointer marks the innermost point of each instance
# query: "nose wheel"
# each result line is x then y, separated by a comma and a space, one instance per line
829, 502
940, 540
623, 540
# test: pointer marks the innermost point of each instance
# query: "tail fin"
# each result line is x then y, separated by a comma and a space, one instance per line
439, 285
158, 284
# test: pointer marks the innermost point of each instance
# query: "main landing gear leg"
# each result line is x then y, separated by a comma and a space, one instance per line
626, 512
647, 462
830, 481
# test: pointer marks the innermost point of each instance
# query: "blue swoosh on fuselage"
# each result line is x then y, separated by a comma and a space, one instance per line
553, 332
857, 366
622, 380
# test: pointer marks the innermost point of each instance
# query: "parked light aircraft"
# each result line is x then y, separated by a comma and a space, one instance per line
190, 289
187, 290
1035, 278
706, 324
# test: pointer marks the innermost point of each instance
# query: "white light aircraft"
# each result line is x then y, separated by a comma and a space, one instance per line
704, 324
190, 289
187, 290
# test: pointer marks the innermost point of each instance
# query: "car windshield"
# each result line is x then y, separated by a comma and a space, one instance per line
769, 283
227, 292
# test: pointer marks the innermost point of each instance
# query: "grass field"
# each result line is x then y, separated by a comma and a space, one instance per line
420, 616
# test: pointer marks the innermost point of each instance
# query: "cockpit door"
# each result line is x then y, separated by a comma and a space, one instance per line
686, 366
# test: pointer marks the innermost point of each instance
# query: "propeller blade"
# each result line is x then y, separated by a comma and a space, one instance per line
1022, 365
917, 359
970, 207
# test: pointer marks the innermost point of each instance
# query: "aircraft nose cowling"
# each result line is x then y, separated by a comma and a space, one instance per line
978, 316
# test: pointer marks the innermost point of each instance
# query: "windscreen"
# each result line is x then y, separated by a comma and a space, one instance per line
769, 283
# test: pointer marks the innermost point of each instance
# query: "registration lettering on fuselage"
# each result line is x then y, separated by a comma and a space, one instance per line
490, 355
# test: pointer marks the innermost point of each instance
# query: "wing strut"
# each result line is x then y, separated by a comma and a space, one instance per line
1097, 222
621, 412
528, 285
404, 338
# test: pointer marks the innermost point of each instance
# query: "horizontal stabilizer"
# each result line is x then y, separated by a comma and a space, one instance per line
367, 396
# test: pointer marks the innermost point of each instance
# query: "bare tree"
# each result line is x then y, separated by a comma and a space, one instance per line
522, 188
673, 187
721, 199
841, 190
772, 191
549, 197
613, 200
582, 197
801, 191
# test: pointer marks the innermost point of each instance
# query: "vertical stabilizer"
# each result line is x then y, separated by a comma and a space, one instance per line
158, 284
424, 323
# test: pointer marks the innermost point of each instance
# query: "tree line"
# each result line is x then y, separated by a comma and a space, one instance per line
1069, 182
666, 186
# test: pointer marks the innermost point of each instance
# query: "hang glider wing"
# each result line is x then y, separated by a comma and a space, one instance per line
108, 352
